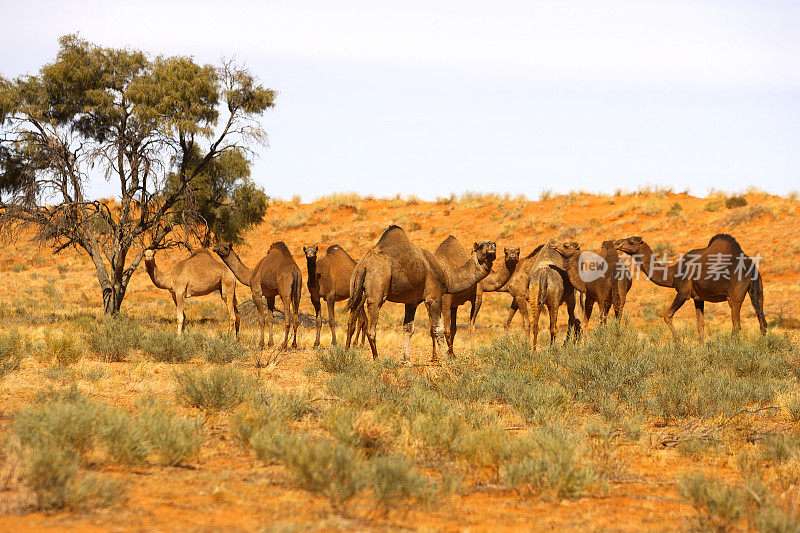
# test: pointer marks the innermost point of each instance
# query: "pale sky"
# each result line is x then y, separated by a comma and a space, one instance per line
430, 98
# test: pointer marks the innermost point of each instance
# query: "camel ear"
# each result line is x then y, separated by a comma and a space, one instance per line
316, 247
476, 247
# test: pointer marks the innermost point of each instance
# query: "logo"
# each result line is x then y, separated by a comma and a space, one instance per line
591, 266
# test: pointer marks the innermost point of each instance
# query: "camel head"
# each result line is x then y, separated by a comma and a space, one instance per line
631, 245
485, 251
149, 254
567, 248
512, 256
223, 249
310, 251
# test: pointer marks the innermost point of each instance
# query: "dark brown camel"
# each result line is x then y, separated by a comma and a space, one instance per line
717, 273
604, 278
329, 280
397, 270
454, 254
276, 274
550, 287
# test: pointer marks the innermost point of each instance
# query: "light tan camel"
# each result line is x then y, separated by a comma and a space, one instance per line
549, 286
197, 275
719, 272
397, 270
329, 280
451, 252
605, 287
276, 274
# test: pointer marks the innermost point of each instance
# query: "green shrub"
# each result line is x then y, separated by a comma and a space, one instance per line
713, 206
269, 408
222, 349
166, 346
555, 472
772, 519
718, 506
735, 201
114, 339
215, 389
336, 359
124, 438
675, 210
61, 350
66, 420
173, 438
12, 348
394, 481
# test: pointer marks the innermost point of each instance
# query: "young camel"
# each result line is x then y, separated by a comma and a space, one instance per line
549, 286
197, 275
329, 280
397, 270
451, 252
606, 288
276, 274
717, 273
517, 287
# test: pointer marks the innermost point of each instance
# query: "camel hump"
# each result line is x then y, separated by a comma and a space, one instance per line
535, 251
336, 250
393, 234
280, 246
726, 238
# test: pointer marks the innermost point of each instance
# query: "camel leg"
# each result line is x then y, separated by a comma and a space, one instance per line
372, 324
270, 320
623, 295
449, 317
181, 315
286, 298
228, 294
434, 307
512, 310
699, 306
588, 307
331, 320
362, 325
522, 305
408, 331
535, 312
757, 299
352, 318
318, 316
261, 317
676, 304
450, 332
553, 311
736, 309
574, 325
473, 312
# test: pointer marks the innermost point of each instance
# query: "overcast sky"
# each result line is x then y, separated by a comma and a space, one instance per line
430, 98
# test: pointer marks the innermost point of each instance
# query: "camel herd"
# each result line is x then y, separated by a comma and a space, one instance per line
398, 270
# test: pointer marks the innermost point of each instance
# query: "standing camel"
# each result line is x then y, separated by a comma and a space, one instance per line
451, 252
550, 286
197, 275
329, 280
397, 270
517, 287
606, 288
276, 274
719, 272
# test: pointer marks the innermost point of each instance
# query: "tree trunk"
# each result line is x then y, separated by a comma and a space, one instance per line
112, 298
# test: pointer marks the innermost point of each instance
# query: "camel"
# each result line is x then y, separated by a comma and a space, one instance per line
454, 254
197, 275
397, 270
610, 287
719, 272
517, 287
329, 280
549, 286
276, 274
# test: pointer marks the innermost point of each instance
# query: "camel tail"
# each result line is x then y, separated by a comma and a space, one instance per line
757, 299
542, 298
356, 289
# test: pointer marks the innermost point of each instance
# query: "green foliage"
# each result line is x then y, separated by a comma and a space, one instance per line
394, 481
166, 346
733, 202
114, 338
675, 210
215, 389
222, 349
174, 439
12, 347
719, 506
713, 206
336, 359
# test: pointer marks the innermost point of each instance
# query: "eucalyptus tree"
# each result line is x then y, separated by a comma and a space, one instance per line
175, 136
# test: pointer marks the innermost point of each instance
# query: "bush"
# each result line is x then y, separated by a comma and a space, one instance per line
394, 480
124, 438
166, 346
66, 420
175, 439
216, 389
718, 506
336, 359
273, 407
735, 201
61, 350
713, 206
222, 349
675, 210
12, 346
555, 473
114, 339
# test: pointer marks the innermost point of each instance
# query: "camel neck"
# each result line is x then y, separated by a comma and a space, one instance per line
656, 271
498, 278
158, 278
311, 265
463, 277
242, 273
573, 271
